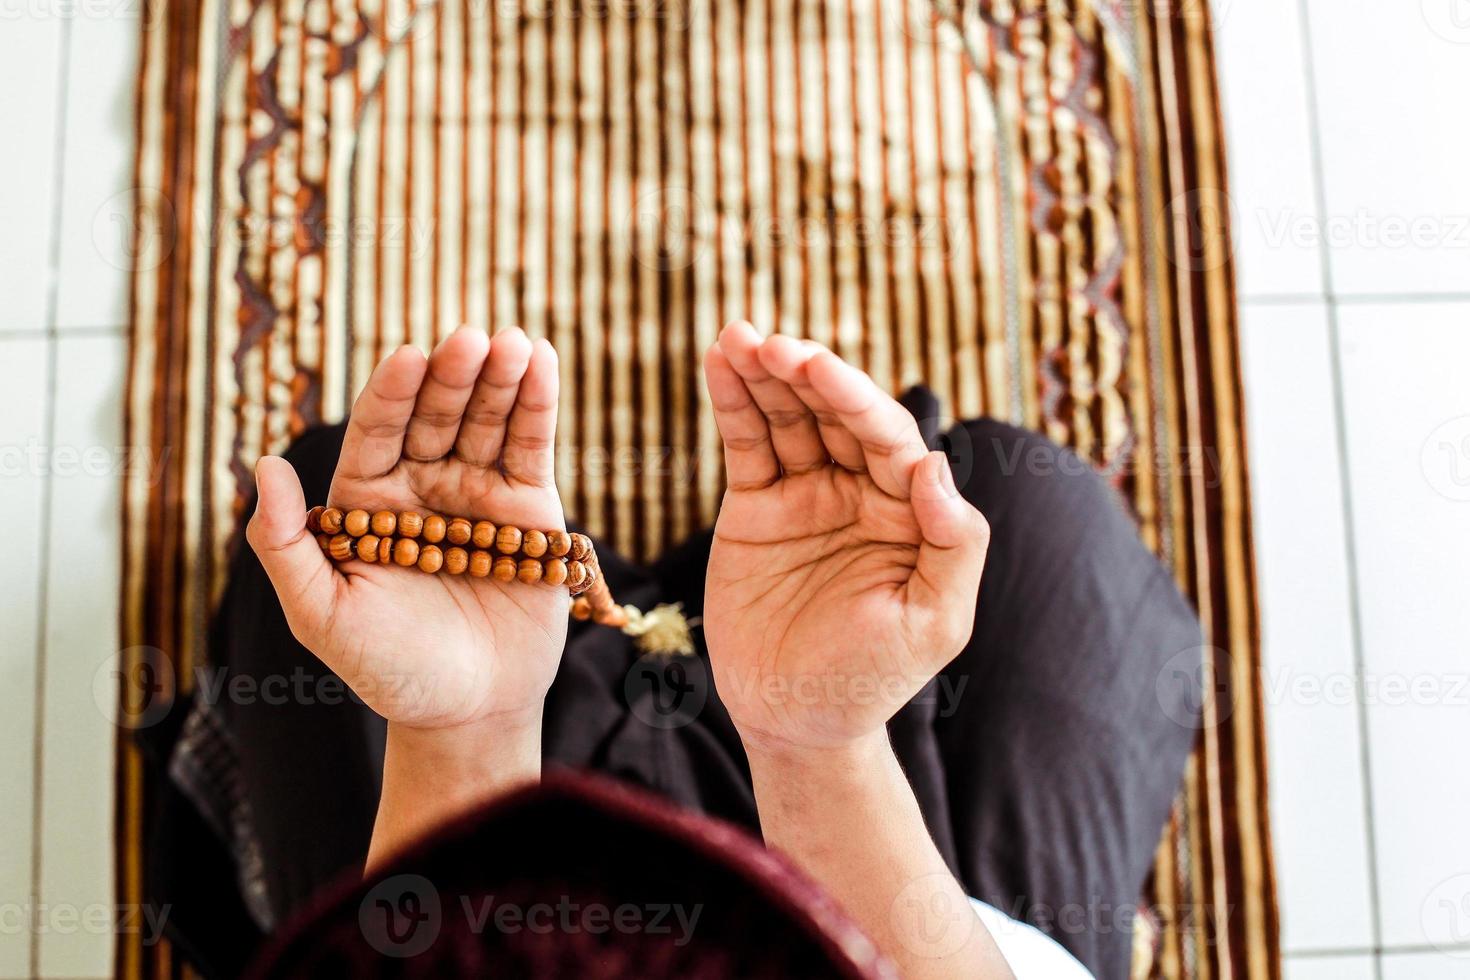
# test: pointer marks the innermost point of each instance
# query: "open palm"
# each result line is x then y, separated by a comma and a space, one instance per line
845, 564
469, 433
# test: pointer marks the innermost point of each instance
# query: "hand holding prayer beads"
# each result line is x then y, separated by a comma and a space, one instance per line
480, 548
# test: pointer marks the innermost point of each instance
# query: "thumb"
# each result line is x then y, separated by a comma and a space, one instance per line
302, 576
946, 581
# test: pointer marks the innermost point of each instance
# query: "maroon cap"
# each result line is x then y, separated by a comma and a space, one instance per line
579, 877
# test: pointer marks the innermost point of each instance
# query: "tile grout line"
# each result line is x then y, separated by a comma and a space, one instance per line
1350, 545
1370, 299
38, 758
1336, 952
87, 331
1359, 299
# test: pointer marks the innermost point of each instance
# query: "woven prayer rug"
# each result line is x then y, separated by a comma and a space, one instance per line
1018, 202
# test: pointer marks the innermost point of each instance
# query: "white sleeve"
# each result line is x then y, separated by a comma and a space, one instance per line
1030, 953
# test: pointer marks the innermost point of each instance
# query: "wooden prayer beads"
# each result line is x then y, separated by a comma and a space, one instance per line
508, 540
406, 552
367, 548
483, 535
456, 561
456, 545
458, 531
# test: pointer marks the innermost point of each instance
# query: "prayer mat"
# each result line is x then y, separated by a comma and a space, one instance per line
1020, 203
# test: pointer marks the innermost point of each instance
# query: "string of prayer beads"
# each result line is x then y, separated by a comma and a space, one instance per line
434, 543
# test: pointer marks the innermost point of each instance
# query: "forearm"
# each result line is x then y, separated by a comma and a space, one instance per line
849, 818
432, 776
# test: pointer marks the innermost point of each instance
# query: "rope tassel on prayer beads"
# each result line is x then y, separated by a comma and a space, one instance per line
437, 544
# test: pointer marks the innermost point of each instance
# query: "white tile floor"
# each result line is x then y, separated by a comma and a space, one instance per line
67, 78
1353, 210
1346, 127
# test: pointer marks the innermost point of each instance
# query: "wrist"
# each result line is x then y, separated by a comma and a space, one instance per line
469, 759
433, 775
826, 762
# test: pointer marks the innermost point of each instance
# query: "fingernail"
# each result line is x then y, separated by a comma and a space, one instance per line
946, 477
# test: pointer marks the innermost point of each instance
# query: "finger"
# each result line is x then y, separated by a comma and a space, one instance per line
786, 358
449, 380
886, 431
946, 580
373, 443
530, 435
750, 459
793, 427
482, 433
303, 577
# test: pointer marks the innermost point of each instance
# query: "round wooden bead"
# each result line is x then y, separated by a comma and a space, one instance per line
505, 569
508, 540
458, 531
456, 560
483, 535
357, 523
367, 548
558, 543
533, 544
324, 541
431, 559
406, 552
341, 547
314, 519
434, 528
330, 520
554, 572
529, 571
480, 562
581, 609
410, 524
385, 522
385, 550
576, 575
581, 547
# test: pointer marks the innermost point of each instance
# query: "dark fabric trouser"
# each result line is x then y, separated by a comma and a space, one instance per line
1046, 756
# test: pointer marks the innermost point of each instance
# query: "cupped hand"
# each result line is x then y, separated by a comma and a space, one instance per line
467, 432
845, 564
